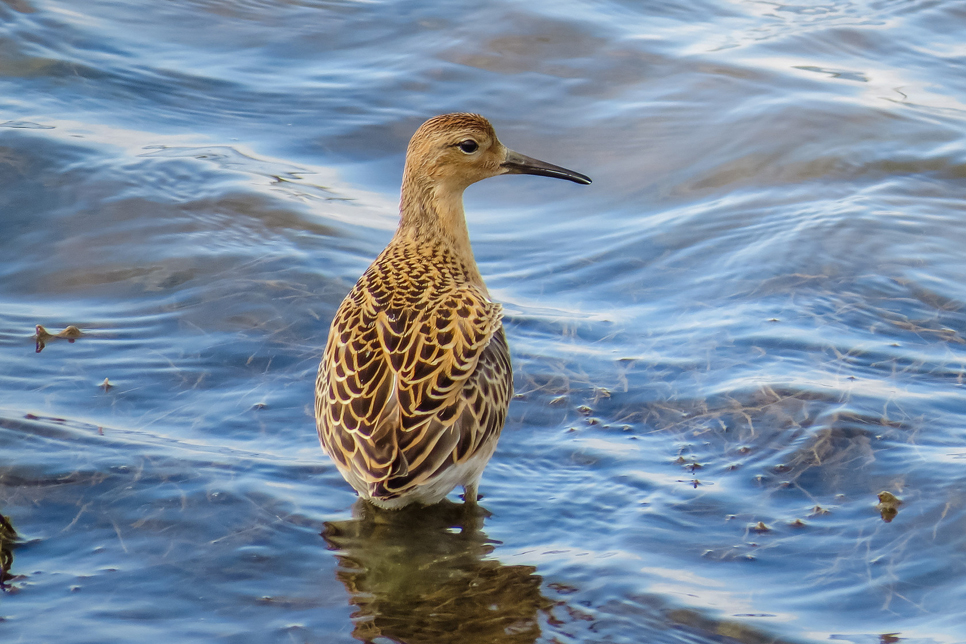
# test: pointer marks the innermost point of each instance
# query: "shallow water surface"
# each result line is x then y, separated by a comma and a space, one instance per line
726, 349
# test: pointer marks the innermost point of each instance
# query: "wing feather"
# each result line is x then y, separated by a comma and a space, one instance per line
415, 377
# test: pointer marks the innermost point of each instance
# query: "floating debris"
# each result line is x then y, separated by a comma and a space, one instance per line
7, 538
888, 505
760, 528
106, 385
43, 336
600, 393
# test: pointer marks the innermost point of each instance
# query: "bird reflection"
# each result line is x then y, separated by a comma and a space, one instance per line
421, 575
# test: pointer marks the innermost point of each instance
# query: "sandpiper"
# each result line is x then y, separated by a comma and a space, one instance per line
415, 380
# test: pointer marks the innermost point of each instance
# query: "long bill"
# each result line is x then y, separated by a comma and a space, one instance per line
517, 163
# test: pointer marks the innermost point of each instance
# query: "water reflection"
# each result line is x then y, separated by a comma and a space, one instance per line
423, 575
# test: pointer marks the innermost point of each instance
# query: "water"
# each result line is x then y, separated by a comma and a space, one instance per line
749, 326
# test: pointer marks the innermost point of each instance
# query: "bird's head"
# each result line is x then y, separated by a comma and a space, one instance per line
454, 151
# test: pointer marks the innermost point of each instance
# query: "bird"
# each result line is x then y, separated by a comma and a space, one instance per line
415, 380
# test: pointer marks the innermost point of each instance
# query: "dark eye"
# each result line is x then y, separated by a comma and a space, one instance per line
469, 146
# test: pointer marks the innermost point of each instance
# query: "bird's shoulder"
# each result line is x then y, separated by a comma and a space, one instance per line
413, 317
419, 292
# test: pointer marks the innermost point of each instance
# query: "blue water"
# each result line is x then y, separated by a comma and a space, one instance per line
747, 328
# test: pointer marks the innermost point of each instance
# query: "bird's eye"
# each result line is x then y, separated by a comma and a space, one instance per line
469, 146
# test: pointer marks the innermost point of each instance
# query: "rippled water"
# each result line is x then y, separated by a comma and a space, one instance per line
725, 349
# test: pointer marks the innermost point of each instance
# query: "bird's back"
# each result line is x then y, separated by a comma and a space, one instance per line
415, 380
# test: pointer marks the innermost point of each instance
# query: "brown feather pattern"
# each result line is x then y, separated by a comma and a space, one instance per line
415, 380
416, 374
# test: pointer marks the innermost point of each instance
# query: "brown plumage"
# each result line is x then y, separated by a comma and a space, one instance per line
415, 380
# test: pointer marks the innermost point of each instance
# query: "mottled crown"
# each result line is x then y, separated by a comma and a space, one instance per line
457, 122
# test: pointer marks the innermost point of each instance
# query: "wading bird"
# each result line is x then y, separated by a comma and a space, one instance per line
415, 379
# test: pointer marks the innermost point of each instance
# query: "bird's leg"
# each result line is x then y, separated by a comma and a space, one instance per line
470, 495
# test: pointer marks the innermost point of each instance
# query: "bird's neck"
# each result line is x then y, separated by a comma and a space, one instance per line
432, 214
